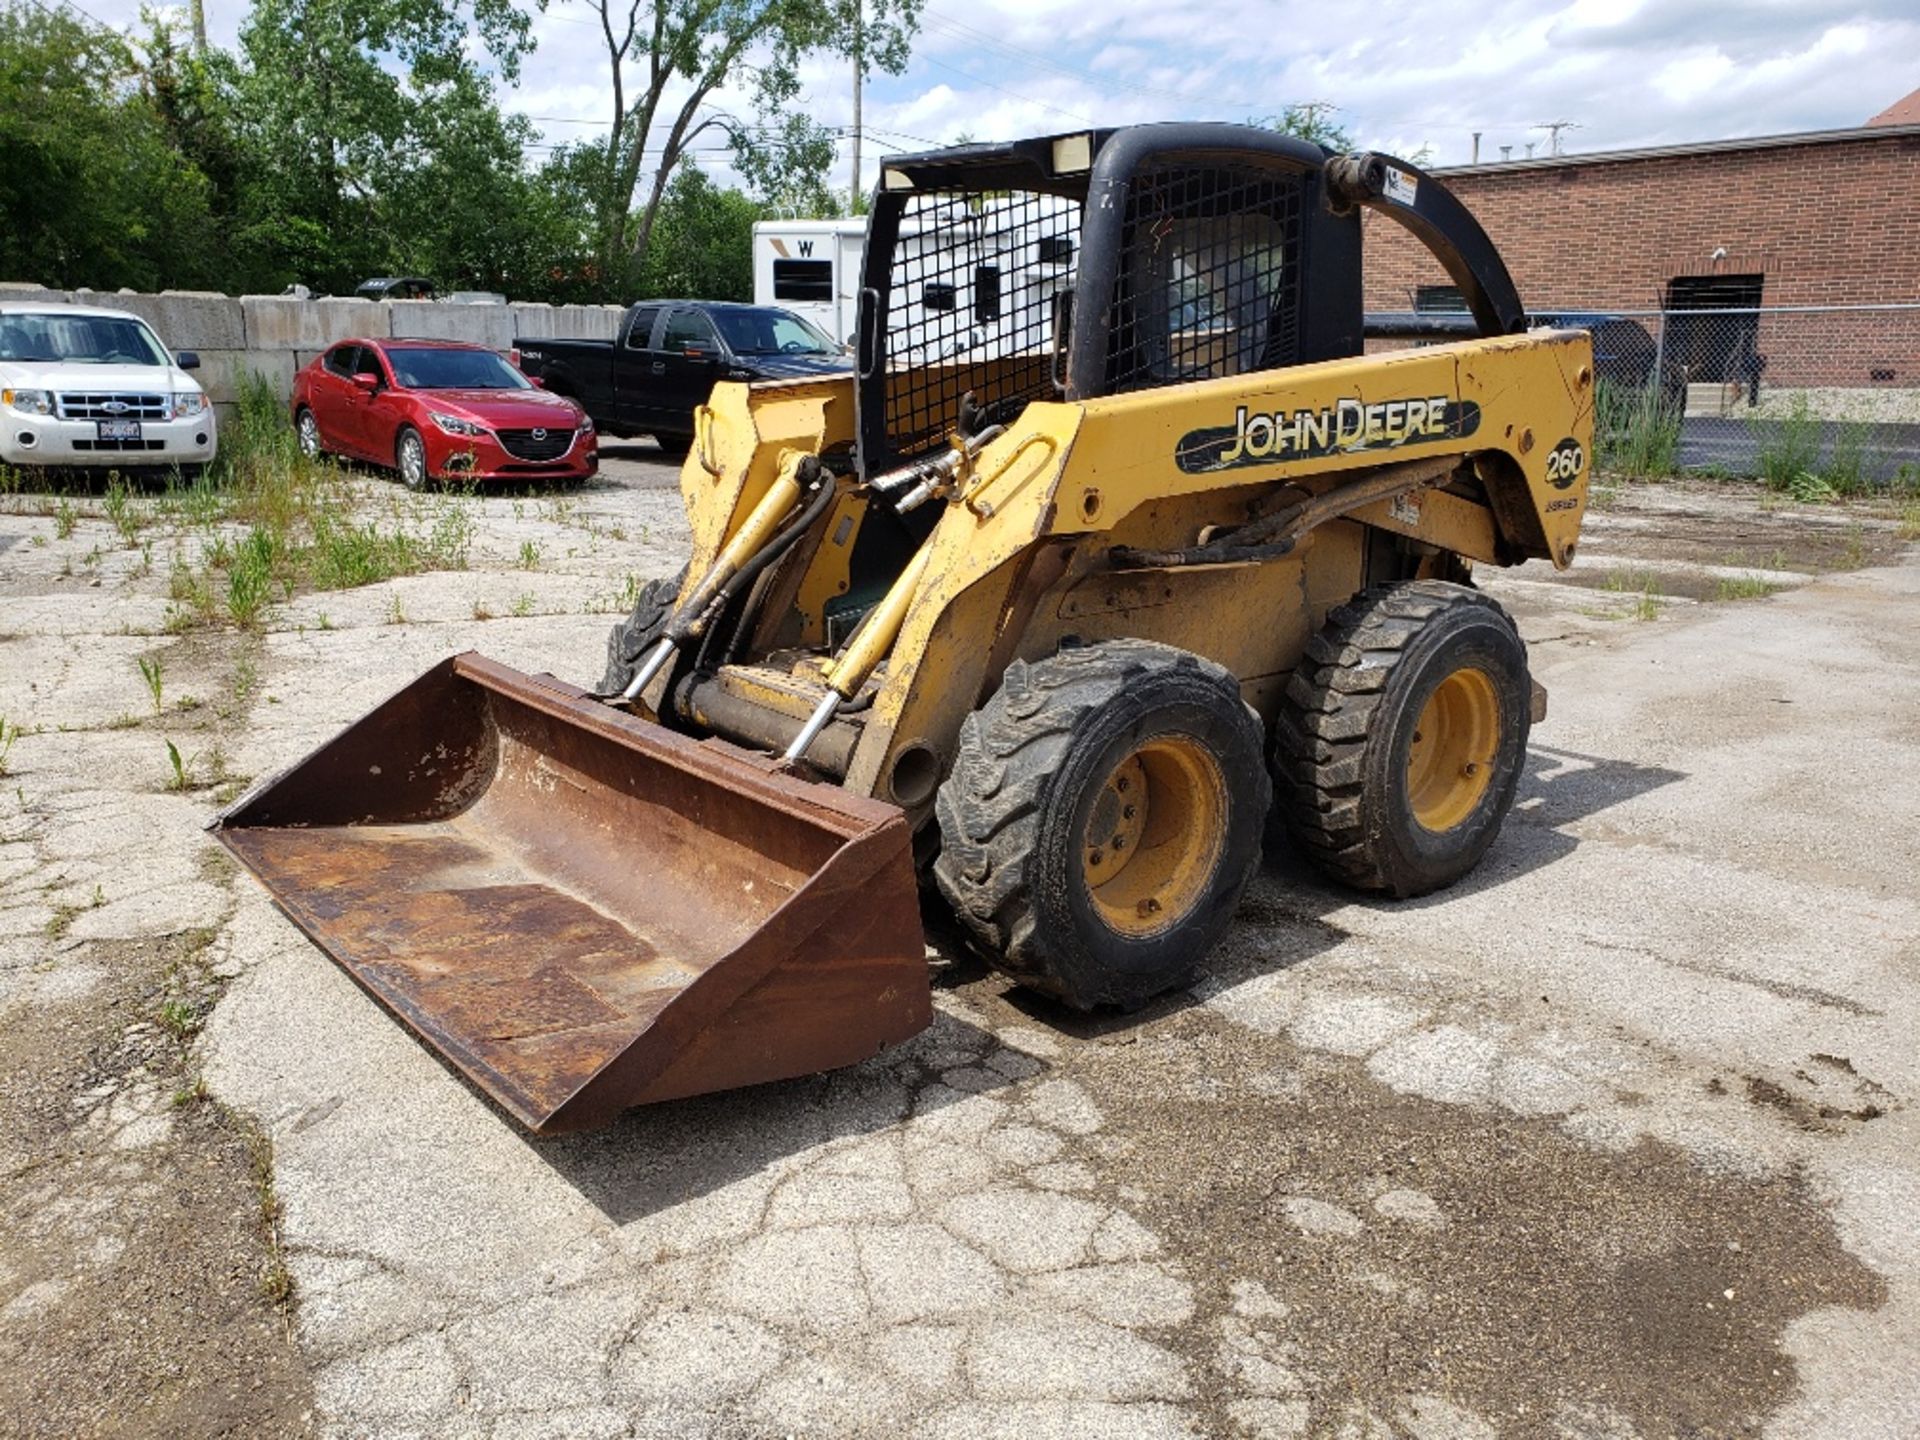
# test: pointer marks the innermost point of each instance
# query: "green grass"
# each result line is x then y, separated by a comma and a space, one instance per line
306, 525
1636, 431
1643, 586
1788, 448
154, 673
1743, 587
1845, 469
9, 733
529, 555
250, 576
178, 779
64, 517
1909, 521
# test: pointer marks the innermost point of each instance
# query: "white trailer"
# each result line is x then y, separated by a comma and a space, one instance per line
811, 267
994, 267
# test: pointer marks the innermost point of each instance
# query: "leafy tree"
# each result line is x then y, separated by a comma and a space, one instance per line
337, 99
680, 53
702, 241
1312, 121
91, 191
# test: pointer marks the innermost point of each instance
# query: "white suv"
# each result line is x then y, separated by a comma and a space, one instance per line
87, 388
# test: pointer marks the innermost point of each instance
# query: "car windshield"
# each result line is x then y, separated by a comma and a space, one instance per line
771, 332
431, 369
78, 340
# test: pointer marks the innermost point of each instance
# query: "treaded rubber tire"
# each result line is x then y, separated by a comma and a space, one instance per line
634, 636
1013, 813
1346, 721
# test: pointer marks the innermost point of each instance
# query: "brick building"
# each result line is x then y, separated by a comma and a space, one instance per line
1819, 219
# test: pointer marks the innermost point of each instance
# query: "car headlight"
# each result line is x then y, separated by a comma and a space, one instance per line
586, 423
188, 402
454, 425
28, 402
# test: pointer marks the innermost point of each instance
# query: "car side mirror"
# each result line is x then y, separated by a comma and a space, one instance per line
368, 383
187, 360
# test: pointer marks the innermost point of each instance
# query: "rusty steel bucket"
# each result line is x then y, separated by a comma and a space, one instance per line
584, 911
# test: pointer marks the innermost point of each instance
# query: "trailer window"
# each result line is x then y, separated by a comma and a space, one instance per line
1056, 250
803, 280
986, 294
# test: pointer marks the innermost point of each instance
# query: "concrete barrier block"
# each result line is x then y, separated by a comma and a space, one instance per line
222, 371
25, 292
567, 322
488, 325
277, 322
184, 319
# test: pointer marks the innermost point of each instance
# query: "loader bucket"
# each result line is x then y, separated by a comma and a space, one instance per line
584, 911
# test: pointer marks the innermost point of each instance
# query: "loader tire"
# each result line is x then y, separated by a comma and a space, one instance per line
1102, 817
634, 636
1400, 737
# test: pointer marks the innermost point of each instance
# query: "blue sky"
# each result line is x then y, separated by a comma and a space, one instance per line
1411, 75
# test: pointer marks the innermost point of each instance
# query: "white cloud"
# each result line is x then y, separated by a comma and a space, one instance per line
1430, 73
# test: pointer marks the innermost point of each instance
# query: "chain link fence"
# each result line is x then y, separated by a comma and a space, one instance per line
1805, 397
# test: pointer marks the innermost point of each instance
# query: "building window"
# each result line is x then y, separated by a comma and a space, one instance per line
1439, 300
803, 280
986, 294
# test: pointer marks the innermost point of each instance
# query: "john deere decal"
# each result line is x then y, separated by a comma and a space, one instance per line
1262, 438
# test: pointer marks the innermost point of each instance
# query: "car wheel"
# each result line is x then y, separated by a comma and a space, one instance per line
410, 456
308, 429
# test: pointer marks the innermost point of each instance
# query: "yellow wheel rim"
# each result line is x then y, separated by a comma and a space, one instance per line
1455, 741
1155, 835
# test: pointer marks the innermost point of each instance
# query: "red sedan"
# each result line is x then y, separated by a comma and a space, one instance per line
433, 409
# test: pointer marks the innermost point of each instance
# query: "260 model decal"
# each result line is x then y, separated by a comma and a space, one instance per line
1564, 463
1261, 438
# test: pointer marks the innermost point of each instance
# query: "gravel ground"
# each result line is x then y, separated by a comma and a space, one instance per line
1612, 1140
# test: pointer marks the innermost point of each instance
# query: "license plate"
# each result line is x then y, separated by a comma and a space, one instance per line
119, 429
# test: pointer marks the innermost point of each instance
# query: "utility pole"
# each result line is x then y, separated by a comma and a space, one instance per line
1553, 129
859, 66
200, 27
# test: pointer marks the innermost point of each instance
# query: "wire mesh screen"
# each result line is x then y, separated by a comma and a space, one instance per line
970, 307
1209, 279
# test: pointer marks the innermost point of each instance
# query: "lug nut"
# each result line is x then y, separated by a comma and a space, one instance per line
1121, 784
1095, 858
1149, 906
1127, 813
1119, 842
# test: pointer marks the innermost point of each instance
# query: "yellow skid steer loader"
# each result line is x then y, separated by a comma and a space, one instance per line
1116, 539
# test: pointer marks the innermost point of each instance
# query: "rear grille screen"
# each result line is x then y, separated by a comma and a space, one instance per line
1209, 275
970, 307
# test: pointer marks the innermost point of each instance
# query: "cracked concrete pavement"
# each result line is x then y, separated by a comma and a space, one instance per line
1614, 1139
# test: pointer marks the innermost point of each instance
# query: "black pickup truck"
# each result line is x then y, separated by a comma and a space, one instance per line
667, 356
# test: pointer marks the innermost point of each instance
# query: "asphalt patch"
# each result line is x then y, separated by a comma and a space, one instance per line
1548, 1278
